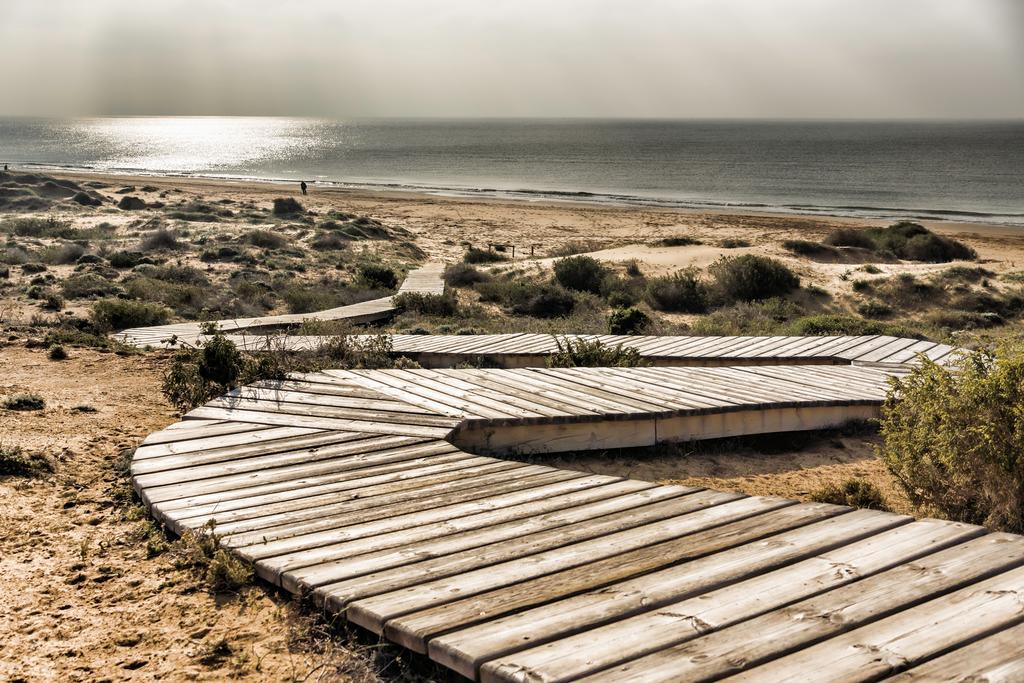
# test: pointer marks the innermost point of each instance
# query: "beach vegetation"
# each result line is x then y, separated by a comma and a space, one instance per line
904, 240
808, 248
88, 285
678, 241
953, 438
628, 321
264, 239
23, 402
733, 243
377, 276
477, 255
121, 314
161, 239
857, 493
580, 273
750, 278
16, 462
680, 292
583, 353
441, 305
464, 275
287, 206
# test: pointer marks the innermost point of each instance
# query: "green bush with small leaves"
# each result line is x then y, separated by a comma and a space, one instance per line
953, 437
583, 353
628, 321
121, 314
680, 292
580, 273
852, 492
751, 278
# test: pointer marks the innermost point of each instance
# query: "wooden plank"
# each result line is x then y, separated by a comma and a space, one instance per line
454, 477
670, 619
373, 612
313, 440
291, 554
415, 629
467, 649
396, 475
287, 419
206, 442
238, 486
185, 431
994, 658
290, 526
907, 638
319, 410
425, 560
302, 397
341, 444
828, 614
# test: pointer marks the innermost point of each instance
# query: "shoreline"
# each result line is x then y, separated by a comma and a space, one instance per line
397, 193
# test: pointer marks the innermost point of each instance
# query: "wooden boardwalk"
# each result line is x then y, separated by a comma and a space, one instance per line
250, 331
354, 487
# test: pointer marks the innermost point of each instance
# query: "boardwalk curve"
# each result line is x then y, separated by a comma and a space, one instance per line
372, 491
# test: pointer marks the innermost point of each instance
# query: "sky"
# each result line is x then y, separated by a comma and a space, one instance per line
846, 59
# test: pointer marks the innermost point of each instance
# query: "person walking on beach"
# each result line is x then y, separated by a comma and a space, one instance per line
302, 186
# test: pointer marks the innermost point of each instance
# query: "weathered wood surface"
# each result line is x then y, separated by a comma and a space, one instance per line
351, 485
425, 280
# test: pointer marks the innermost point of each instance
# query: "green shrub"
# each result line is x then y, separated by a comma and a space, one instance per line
38, 227
120, 314
53, 302
265, 239
681, 292
126, 259
933, 248
378, 277
580, 273
528, 297
954, 438
62, 254
751, 278
442, 305
585, 353
23, 402
830, 324
160, 239
287, 206
874, 309
755, 318
15, 462
628, 321
678, 241
464, 275
733, 243
329, 241
475, 255
88, 285
808, 248
57, 352
906, 240
850, 237
546, 301
852, 492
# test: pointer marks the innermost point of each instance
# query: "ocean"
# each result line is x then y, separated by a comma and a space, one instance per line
963, 171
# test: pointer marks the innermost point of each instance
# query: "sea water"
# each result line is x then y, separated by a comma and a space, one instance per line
967, 171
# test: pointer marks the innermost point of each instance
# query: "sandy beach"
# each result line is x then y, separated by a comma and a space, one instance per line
102, 571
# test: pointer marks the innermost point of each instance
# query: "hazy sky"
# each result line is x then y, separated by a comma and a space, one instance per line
646, 58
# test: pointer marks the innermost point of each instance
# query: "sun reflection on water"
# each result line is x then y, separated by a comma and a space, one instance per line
200, 144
